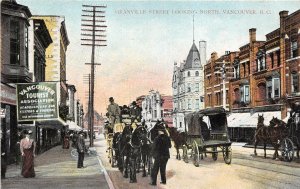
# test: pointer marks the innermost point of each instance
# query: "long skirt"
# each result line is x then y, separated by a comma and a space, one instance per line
28, 165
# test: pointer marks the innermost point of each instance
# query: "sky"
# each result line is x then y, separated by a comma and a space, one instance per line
144, 39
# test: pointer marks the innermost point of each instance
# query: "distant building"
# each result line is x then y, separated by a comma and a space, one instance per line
167, 109
188, 84
56, 53
152, 108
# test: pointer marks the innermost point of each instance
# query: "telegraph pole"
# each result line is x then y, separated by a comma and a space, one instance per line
222, 71
92, 18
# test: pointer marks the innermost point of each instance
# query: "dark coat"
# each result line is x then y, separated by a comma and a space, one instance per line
161, 146
80, 144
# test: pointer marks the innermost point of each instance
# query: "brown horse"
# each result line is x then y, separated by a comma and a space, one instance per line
179, 139
272, 134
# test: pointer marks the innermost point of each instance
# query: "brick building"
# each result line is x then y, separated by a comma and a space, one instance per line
213, 79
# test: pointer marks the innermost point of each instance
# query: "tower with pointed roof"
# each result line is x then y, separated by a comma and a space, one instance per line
187, 84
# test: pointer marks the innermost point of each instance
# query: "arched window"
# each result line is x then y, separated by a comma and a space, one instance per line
188, 74
197, 73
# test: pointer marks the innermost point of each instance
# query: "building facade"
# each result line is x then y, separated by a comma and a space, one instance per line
152, 108
188, 84
56, 53
14, 69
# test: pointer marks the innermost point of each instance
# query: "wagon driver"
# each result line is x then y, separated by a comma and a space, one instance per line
113, 112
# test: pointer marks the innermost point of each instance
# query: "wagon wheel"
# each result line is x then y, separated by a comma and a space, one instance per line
196, 155
227, 154
185, 154
214, 154
287, 149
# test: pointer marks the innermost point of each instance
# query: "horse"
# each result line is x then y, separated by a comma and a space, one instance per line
136, 146
272, 134
123, 148
179, 139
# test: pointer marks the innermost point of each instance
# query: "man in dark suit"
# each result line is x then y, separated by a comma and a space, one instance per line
80, 149
161, 154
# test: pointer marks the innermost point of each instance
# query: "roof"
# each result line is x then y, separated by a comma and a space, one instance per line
193, 56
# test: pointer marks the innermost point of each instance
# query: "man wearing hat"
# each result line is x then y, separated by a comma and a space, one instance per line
135, 112
80, 149
113, 112
161, 154
27, 148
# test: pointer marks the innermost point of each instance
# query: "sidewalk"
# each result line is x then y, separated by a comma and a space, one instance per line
56, 169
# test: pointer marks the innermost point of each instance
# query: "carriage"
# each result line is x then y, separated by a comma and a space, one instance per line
202, 138
292, 140
111, 137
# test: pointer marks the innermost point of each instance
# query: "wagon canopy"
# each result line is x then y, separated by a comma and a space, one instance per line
216, 120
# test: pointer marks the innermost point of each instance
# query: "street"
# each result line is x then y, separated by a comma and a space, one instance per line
56, 169
244, 172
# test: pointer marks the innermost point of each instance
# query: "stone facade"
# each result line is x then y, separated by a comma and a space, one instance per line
188, 84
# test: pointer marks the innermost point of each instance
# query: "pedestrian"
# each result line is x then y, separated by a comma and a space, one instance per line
80, 149
66, 142
161, 154
27, 148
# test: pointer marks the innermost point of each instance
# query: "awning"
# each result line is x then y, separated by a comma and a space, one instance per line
248, 120
73, 126
57, 123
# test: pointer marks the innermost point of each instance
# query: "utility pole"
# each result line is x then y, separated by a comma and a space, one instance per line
92, 18
223, 71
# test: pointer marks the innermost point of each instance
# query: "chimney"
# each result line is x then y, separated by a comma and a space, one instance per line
202, 49
252, 35
283, 15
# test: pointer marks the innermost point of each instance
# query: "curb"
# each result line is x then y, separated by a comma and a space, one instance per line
107, 178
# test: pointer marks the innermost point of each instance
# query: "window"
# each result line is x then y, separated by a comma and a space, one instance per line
197, 104
260, 61
278, 58
180, 124
188, 87
189, 104
26, 46
196, 87
272, 59
245, 93
276, 87
14, 42
295, 82
236, 71
188, 74
244, 66
294, 49
197, 73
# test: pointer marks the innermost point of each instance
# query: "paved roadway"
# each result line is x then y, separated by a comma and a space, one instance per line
245, 171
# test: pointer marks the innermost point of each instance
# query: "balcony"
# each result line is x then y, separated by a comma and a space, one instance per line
16, 73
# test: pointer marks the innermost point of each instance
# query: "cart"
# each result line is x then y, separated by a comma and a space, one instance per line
206, 132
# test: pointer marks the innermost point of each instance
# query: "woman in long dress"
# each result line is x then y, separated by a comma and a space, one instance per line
27, 147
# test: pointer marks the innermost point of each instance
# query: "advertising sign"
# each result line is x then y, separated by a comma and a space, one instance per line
37, 101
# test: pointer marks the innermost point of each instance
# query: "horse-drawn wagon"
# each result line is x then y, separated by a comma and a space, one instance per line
211, 137
111, 138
